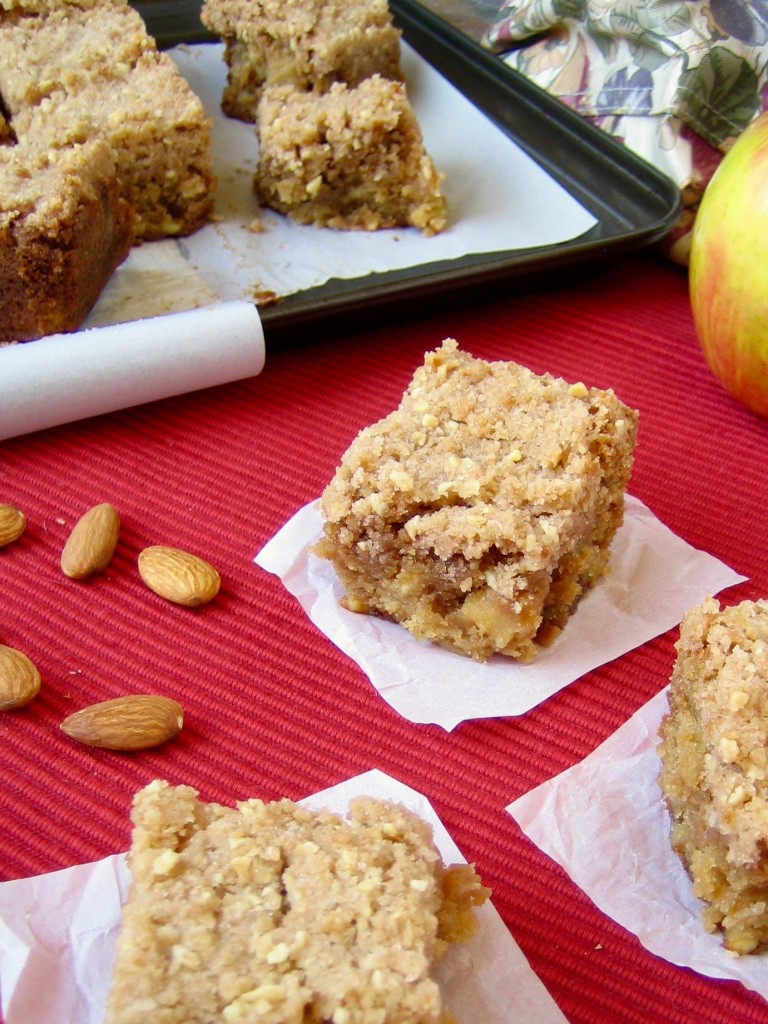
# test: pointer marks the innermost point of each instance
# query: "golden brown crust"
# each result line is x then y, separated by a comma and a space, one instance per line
714, 766
274, 913
480, 511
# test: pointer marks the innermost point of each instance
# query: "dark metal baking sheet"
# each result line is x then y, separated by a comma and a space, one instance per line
634, 204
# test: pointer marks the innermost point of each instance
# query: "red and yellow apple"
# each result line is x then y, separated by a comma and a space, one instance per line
729, 269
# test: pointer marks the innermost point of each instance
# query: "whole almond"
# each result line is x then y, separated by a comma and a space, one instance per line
19, 679
178, 576
134, 722
12, 524
92, 542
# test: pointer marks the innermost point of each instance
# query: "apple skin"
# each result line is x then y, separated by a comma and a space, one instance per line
728, 272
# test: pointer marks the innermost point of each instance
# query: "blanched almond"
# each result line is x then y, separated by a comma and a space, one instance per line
178, 576
92, 542
134, 722
19, 679
12, 524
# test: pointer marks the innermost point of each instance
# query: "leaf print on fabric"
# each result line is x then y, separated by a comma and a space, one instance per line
648, 57
627, 94
653, 73
655, 18
559, 64
520, 21
563, 9
747, 22
721, 95
547, 57
606, 44
675, 80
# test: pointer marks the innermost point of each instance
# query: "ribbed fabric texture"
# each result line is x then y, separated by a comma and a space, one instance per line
272, 708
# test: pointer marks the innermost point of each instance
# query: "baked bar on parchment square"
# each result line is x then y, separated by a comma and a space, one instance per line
714, 766
271, 913
480, 511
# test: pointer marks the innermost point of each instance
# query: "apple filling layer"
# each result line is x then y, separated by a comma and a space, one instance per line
479, 512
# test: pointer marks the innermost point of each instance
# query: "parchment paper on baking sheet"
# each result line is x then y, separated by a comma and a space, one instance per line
499, 198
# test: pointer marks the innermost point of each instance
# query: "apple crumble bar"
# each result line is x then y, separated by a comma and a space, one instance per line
63, 230
714, 766
479, 512
102, 144
352, 158
76, 70
269, 912
307, 44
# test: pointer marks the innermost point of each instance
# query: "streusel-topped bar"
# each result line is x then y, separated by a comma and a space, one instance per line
482, 509
76, 70
273, 913
714, 766
49, 45
63, 230
351, 158
308, 44
83, 91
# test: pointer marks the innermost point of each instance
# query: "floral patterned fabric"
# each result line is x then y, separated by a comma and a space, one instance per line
675, 81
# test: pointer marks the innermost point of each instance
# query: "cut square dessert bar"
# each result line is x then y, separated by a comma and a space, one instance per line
83, 91
159, 135
481, 510
714, 766
80, 70
52, 44
349, 158
63, 230
269, 912
308, 44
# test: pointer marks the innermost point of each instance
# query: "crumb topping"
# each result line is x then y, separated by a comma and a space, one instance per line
483, 506
349, 158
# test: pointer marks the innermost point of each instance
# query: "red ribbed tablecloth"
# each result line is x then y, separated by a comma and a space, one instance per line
272, 708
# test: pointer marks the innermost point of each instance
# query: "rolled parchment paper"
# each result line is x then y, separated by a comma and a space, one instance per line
69, 377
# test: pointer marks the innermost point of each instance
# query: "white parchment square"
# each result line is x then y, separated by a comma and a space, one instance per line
603, 821
58, 931
655, 577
